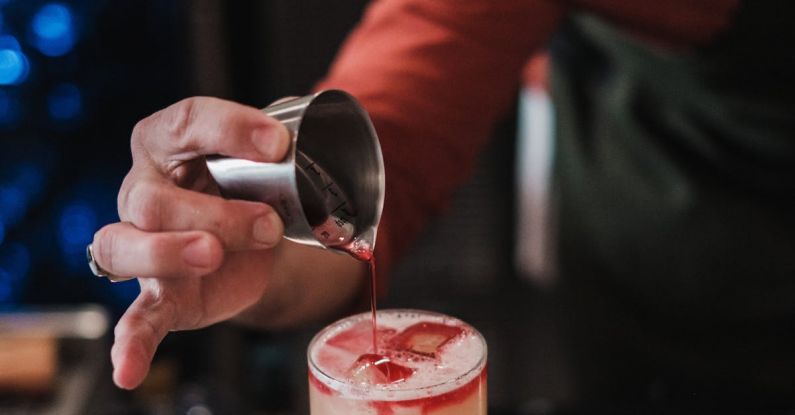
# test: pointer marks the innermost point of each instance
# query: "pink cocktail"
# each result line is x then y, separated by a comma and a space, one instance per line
425, 364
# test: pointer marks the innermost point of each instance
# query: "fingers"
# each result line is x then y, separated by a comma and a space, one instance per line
138, 333
201, 126
171, 141
154, 205
123, 250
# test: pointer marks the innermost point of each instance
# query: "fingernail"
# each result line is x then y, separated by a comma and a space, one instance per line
268, 229
271, 142
197, 253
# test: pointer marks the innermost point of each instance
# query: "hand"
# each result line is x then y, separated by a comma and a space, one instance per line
199, 259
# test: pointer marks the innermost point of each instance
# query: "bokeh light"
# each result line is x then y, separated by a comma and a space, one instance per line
52, 30
65, 102
14, 66
13, 204
16, 195
76, 227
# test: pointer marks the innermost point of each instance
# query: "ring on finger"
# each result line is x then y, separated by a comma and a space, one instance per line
98, 270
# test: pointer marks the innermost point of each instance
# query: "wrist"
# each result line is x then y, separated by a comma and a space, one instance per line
307, 285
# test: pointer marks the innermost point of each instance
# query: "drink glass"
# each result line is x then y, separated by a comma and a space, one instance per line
426, 364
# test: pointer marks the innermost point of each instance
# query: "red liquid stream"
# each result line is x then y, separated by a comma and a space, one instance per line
371, 262
365, 254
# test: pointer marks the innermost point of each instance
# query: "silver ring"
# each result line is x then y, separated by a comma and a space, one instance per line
99, 271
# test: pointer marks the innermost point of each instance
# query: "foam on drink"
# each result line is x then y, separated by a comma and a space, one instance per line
420, 355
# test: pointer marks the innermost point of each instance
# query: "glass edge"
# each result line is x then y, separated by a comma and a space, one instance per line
314, 370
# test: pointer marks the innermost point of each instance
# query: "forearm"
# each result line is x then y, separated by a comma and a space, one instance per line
307, 284
434, 77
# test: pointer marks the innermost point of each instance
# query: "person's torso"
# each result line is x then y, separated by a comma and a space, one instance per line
676, 153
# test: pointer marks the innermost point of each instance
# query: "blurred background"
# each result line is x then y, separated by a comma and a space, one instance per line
75, 76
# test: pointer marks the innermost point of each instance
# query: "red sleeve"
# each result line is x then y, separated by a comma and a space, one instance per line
435, 75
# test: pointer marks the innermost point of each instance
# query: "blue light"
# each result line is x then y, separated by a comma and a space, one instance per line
13, 203
64, 102
2, 232
52, 21
13, 66
9, 42
76, 228
53, 30
16, 195
13, 63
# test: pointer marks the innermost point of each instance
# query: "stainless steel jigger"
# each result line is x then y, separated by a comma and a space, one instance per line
329, 190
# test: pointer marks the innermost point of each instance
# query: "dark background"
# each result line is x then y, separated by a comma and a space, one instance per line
87, 71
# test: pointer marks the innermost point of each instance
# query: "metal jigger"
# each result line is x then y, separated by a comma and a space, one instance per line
329, 190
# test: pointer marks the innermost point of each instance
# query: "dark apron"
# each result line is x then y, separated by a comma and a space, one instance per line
675, 181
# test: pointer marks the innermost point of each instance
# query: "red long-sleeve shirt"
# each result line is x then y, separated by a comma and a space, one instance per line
435, 75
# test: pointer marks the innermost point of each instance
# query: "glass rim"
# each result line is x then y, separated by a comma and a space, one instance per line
360, 390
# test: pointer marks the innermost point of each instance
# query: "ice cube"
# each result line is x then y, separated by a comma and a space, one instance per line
358, 338
425, 338
376, 369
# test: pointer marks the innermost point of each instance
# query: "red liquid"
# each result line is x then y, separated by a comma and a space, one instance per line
423, 340
373, 318
364, 253
346, 379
